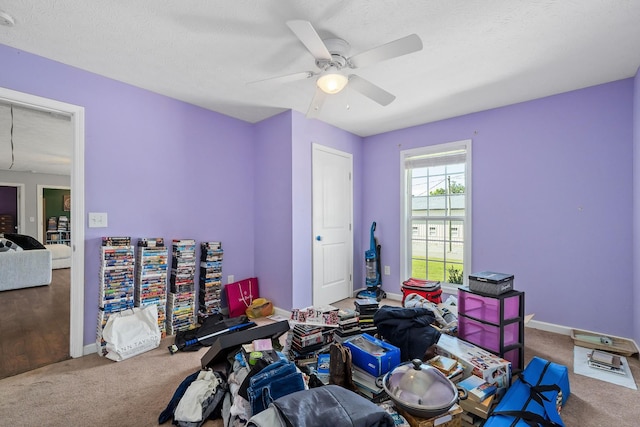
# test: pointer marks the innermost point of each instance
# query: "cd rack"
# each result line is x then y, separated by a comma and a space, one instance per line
116, 279
181, 300
210, 290
151, 277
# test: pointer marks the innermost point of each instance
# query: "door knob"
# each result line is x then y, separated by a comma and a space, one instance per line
318, 238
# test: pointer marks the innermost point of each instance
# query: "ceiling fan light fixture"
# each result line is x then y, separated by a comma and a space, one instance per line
332, 83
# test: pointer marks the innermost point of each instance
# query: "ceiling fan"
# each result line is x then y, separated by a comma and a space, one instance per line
332, 60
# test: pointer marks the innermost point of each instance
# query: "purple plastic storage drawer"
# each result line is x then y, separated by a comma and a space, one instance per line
487, 336
513, 356
487, 308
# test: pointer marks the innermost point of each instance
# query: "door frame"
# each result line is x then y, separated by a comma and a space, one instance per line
314, 147
76, 112
20, 217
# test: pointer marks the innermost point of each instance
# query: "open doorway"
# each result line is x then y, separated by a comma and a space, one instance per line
76, 116
54, 214
11, 207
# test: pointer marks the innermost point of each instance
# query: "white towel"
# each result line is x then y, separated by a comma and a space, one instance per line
190, 406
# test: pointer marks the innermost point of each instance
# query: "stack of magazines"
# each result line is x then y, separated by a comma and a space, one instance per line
606, 361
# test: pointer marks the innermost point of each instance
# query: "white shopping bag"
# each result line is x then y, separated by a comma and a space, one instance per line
131, 332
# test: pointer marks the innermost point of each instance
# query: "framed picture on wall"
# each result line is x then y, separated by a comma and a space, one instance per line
66, 202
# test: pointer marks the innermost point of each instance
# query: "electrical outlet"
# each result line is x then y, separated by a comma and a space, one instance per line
387, 270
231, 278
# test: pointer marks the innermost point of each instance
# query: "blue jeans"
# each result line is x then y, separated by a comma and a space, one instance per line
276, 380
275, 369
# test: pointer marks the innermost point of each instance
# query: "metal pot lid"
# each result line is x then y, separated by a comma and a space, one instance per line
420, 386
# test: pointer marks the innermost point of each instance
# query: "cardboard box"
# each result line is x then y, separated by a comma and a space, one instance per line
373, 355
453, 418
481, 409
476, 361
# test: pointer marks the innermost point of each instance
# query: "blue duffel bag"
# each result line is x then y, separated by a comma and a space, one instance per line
535, 398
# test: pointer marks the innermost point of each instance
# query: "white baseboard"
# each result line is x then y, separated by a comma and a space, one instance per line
549, 327
89, 349
282, 312
394, 297
565, 330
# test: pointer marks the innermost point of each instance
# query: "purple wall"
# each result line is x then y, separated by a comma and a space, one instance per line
157, 166
8, 201
284, 218
273, 212
552, 188
552, 200
636, 205
283, 203
305, 133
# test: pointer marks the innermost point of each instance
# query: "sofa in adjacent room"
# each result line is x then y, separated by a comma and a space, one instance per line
23, 266
60, 255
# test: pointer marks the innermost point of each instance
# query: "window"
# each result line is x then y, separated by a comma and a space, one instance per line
436, 212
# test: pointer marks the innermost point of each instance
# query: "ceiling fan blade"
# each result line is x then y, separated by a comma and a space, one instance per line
403, 46
370, 90
316, 103
286, 78
310, 38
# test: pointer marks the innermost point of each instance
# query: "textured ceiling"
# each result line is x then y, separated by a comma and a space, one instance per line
35, 141
477, 54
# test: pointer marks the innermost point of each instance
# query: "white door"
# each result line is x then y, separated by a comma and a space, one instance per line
332, 218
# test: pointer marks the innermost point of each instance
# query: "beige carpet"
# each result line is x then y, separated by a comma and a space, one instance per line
93, 391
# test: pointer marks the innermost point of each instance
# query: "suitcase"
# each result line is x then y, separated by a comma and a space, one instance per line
429, 289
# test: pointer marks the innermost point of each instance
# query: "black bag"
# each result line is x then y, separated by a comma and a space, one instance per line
213, 323
409, 329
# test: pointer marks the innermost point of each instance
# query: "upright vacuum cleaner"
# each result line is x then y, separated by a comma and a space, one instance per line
373, 279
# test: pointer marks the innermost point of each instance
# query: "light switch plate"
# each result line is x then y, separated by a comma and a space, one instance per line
97, 219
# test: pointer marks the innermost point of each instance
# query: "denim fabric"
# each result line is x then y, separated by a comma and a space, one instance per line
277, 388
276, 369
276, 380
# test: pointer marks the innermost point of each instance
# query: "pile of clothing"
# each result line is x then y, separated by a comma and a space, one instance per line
196, 399
447, 321
252, 388
271, 391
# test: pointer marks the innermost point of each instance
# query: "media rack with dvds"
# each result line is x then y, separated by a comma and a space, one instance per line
210, 291
58, 231
151, 277
181, 300
116, 279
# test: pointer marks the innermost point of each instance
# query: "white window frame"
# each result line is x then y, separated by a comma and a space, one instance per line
405, 218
